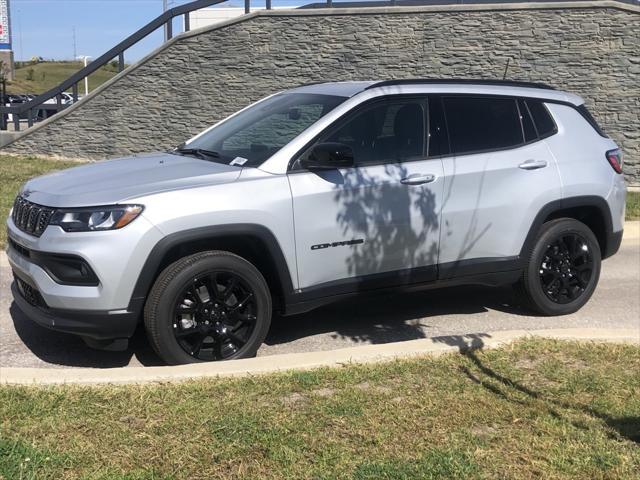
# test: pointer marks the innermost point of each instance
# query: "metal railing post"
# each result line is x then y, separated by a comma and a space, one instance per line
187, 22
329, 3
16, 122
3, 121
268, 5
121, 61
247, 6
169, 27
74, 92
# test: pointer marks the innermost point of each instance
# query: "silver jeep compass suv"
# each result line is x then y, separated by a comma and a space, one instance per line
317, 193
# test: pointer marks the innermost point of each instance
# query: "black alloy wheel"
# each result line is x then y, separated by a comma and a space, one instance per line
215, 316
562, 268
566, 268
208, 306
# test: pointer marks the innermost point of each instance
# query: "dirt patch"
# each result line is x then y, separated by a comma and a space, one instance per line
293, 399
374, 388
324, 392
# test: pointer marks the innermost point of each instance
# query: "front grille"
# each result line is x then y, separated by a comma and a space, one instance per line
29, 293
30, 217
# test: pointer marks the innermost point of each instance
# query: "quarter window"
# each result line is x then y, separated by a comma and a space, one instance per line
478, 124
541, 117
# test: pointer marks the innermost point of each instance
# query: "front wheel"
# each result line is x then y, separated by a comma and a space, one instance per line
206, 307
563, 268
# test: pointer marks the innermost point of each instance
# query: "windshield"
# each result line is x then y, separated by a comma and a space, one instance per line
254, 135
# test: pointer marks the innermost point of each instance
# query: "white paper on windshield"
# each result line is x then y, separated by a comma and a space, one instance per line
239, 161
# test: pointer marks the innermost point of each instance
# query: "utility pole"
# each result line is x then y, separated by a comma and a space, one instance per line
86, 79
165, 5
75, 51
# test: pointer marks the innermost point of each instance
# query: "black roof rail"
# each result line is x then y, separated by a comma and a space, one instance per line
459, 81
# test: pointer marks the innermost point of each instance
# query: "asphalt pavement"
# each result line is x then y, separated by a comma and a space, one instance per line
361, 321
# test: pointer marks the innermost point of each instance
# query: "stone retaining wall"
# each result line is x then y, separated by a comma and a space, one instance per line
589, 48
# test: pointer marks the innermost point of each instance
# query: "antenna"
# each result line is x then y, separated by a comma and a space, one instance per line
75, 50
504, 77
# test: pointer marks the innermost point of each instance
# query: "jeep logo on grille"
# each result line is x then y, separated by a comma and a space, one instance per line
322, 246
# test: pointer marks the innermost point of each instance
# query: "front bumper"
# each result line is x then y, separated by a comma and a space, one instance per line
89, 324
115, 257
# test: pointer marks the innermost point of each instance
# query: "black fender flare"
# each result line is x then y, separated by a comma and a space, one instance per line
150, 269
611, 243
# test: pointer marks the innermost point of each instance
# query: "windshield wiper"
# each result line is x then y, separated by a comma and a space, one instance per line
200, 152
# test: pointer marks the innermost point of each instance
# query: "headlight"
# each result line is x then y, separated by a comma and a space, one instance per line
95, 218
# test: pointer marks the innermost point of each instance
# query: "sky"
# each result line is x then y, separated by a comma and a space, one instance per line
45, 28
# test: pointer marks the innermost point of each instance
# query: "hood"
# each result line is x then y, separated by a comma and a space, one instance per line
115, 181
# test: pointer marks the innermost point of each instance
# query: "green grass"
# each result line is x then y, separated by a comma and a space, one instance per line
633, 206
40, 77
14, 171
538, 409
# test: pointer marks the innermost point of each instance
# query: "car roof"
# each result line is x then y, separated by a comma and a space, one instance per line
455, 86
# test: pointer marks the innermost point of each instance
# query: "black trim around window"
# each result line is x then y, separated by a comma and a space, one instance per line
524, 143
348, 116
429, 98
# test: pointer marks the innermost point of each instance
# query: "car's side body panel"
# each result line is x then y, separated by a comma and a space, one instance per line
330, 233
490, 202
363, 221
582, 164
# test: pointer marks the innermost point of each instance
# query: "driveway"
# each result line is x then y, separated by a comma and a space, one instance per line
380, 319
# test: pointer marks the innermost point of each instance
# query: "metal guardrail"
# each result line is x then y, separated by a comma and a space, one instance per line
33, 109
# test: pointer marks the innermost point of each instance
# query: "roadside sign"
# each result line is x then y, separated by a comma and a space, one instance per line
5, 34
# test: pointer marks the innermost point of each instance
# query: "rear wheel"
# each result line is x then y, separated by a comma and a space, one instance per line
563, 268
207, 307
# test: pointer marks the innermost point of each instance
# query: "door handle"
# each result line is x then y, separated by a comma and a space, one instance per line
533, 164
418, 179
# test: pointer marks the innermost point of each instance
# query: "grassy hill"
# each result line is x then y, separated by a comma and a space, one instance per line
40, 77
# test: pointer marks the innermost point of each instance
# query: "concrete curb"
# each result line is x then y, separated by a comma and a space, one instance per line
631, 230
305, 361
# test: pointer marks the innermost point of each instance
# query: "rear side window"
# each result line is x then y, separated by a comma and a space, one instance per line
542, 118
477, 124
582, 109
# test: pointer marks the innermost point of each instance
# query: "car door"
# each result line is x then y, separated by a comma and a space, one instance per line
375, 224
499, 177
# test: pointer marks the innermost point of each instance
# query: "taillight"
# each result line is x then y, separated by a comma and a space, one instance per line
615, 159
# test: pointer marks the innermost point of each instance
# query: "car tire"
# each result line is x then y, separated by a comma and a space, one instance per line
562, 268
197, 303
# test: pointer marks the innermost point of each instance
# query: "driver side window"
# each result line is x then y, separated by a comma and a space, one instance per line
385, 132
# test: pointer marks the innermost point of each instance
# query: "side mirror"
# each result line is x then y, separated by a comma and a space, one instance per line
328, 156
